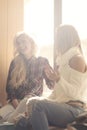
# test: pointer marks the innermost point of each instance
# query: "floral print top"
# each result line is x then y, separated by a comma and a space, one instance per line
35, 75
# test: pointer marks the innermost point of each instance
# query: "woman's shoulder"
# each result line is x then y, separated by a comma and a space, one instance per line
42, 58
78, 63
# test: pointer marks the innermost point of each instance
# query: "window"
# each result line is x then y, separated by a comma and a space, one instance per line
39, 22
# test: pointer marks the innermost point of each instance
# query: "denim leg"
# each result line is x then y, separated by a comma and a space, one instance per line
45, 113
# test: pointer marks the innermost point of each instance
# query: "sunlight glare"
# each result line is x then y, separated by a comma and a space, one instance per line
38, 20
74, 12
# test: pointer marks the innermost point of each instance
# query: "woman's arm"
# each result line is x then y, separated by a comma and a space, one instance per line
15, 103
10, 89
50, 75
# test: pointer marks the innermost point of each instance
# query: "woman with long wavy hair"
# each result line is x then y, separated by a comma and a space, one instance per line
25, 77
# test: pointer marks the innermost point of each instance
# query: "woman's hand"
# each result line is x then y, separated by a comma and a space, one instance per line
52, 74
20, 117
15, 103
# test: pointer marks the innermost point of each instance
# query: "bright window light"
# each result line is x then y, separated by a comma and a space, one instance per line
74, 12
38, 20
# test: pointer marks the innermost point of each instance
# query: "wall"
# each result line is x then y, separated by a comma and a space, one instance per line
11, 21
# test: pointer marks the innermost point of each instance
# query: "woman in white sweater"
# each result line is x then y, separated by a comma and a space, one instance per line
70, 93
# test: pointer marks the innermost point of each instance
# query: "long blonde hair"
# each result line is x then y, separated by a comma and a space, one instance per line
18, 74
66, 38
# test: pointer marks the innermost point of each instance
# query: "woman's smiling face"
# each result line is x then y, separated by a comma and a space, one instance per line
24, 45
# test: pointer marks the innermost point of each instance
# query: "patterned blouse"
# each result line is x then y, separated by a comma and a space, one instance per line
35, 75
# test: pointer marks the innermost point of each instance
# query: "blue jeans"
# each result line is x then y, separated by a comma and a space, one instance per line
45, 113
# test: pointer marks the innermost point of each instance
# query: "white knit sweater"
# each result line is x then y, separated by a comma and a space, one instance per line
72, 84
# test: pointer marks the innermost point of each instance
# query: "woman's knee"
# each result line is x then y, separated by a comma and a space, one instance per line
35, 104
